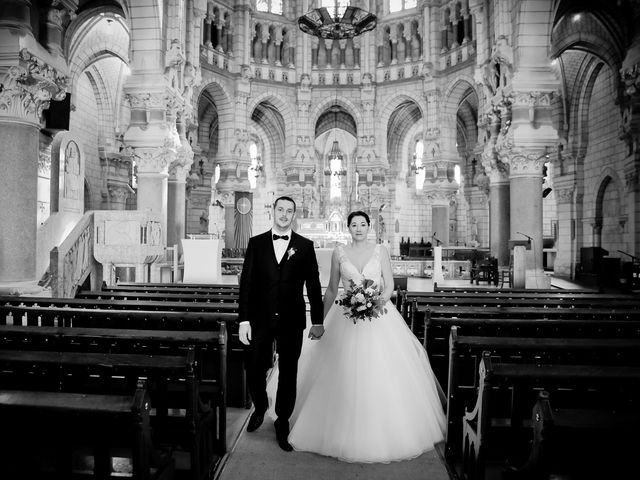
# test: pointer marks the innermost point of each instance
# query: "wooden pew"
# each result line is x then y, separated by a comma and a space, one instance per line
154, 303
414, 303
472, 289
465, 353
37, 424
190, 286
227, 297
598, 313
118, 327
565, 439
211, 290
603, 387
437, 331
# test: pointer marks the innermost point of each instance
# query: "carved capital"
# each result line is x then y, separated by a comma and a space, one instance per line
118, 192
154, 159
565, 195
27, 89
440, 197
147, 101
525, 165
180, 167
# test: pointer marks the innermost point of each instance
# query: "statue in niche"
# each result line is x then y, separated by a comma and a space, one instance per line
71, 171
174, 63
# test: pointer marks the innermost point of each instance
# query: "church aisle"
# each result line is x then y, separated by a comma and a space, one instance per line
257, 456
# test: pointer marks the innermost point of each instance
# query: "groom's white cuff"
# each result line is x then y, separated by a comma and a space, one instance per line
242, 323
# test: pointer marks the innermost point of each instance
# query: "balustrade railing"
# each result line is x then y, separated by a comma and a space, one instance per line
73, 261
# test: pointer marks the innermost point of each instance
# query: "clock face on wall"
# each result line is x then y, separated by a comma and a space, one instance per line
243, 205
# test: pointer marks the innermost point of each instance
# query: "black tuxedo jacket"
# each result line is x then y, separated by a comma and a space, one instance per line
268, 287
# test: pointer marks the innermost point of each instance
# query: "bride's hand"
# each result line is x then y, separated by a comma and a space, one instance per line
316, 332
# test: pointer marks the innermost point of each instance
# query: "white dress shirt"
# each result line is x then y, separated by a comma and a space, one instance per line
280, 245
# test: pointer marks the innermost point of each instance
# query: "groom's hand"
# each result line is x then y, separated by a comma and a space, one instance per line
244, 332
316, 332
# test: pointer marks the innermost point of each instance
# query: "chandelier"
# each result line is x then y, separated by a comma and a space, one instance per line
335, 154
320, 23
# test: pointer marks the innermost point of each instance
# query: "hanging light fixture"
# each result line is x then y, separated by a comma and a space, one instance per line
355, 21
335, 153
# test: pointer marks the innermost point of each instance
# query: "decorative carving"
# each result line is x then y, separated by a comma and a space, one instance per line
44, 165
26, 89
180, 167
564, 195
174, 64
154, 160
76, 262
525, 166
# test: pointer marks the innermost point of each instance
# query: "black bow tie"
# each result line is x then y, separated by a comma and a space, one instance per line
283, 237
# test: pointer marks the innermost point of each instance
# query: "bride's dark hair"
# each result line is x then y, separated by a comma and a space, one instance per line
358, 213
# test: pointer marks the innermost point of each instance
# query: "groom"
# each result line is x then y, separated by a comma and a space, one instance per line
277, 265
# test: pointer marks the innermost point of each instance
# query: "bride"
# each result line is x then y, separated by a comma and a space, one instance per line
366, 391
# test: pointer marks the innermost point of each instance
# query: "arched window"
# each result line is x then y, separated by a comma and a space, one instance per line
216, 174
419, 167
398, 5
456, 173
270, 6
253, 172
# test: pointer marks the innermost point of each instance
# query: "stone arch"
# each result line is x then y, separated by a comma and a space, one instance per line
284, 107
401, 121
88, 43
392, 103
601, 32
86, 19
266, 117
347, 105
607, 177
606, 224
453, 96
579, 109
103, 102
214, 105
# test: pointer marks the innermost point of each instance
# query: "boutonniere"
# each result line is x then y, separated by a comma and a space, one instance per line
291, 252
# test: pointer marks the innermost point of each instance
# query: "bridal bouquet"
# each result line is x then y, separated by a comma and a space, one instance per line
362, 301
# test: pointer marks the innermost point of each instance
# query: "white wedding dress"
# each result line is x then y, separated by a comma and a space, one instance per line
366, 391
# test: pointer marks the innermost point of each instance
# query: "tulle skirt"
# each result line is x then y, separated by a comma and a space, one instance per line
366, 392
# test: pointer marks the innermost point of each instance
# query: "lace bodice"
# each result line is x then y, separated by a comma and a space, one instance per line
371, 270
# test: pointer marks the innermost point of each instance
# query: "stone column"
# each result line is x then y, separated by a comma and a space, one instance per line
440, 222
176, 202
28, 85
151, 142
499, 218
207, 31
564, 264
525, 177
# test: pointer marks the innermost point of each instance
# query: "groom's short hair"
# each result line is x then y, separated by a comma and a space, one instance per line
286, 198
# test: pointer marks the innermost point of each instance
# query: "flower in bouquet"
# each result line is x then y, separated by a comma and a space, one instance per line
362, 301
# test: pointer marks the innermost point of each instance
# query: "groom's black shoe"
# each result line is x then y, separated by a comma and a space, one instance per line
282, 435
255, 421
